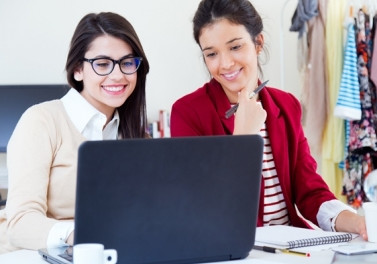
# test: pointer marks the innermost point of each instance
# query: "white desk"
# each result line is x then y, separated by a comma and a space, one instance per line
255, 257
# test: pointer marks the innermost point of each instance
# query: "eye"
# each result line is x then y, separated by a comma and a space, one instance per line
102, 63
210, 55
128, 63
236, 47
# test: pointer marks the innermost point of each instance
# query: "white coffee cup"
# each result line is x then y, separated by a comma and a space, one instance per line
370, 212
92, 253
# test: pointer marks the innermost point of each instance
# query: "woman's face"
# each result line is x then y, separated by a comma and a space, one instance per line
107, 92
231, 56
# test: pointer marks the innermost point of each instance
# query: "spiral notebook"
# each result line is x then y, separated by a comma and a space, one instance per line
281, 236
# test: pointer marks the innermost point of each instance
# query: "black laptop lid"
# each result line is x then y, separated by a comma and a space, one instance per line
170, 200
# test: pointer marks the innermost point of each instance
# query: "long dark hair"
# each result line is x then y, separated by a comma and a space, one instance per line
133, 115
240, 12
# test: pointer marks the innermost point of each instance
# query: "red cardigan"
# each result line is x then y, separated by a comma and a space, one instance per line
202, 113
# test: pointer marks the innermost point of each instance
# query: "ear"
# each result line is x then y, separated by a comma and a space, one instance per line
78, 75
259, 42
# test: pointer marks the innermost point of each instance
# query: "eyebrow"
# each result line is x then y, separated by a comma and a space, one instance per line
108, 57
228, 42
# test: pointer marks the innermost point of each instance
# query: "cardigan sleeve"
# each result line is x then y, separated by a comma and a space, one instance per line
29, 159
183, 120
199, 113
194, 115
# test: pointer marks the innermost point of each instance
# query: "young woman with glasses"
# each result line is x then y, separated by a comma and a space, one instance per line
106, 68
229, 34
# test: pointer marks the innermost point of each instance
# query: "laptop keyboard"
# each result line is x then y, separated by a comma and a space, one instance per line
67, 254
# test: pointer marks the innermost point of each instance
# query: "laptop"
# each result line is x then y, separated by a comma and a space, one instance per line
168, 200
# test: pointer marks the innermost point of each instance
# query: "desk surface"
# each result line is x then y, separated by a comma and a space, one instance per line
255, 257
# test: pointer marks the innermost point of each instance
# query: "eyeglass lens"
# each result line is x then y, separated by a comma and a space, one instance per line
104, 66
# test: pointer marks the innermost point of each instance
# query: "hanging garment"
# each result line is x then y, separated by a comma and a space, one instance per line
362, 132
306, 9
373, 67
315, 89
362, 141
348, 104
333, 138
357, 167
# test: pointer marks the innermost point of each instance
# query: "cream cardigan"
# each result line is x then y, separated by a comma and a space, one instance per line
42, 163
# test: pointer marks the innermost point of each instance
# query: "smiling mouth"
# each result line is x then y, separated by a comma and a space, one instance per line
117, 88
231, 76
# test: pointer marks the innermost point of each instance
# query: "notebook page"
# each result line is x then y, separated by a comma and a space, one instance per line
294, 237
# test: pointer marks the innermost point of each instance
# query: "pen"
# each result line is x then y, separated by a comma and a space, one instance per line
233, 109
281, 250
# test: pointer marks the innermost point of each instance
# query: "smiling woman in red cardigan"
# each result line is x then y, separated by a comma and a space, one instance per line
229, 34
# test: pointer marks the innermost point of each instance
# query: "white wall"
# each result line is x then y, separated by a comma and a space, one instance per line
35, 35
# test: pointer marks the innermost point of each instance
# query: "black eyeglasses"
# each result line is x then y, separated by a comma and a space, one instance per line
105, 66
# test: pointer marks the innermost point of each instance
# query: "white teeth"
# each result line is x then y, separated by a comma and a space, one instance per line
231, 75
113, 88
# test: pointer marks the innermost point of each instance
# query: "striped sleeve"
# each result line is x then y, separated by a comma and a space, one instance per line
348, 104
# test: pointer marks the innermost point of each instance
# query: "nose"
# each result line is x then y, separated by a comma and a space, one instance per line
226, 60
116, 73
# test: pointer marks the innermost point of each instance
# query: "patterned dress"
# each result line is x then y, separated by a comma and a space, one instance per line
362, 140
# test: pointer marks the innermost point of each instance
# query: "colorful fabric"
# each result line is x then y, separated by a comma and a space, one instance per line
358, 166
362, 132
373, 66
348, 104
362, 142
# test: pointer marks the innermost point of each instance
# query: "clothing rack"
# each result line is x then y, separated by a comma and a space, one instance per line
370, 5
352, 8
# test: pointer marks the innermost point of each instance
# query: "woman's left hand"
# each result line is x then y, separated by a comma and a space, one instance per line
348, 221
